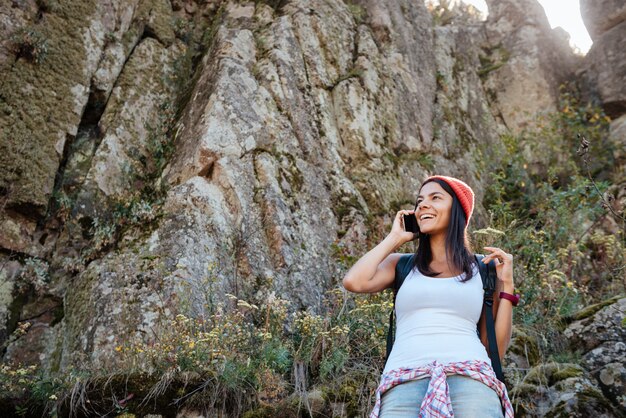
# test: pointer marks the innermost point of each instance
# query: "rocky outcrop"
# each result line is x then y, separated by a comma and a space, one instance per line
593, 387
604, 68
523, 353
108, 73
55, 56
461, 108
601, 337
601, 15
54, 52
560, 390
524, 62
66, 61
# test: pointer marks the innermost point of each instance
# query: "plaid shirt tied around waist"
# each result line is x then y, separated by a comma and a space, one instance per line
436, 402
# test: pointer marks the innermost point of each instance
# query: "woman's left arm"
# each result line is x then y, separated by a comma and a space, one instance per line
502, 312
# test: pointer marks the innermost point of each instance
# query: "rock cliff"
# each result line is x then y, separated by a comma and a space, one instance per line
144, 144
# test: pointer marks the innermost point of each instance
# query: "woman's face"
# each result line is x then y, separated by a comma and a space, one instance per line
435, 201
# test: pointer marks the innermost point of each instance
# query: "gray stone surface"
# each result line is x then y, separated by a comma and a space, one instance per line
524, 62
560, 390
601, 15
602, 339
604, 71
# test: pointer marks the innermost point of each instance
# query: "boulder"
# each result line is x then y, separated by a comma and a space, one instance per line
522, 354
560, 390
604, 71
524, 61
601, 337
601, 15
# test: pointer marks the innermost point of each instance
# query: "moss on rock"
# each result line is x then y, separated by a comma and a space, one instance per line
524, 345
592, 309
159, 20
38, 106
550, 373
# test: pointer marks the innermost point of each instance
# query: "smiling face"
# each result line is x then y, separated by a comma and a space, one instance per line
434, 206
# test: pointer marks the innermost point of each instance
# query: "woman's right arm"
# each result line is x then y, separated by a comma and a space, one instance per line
375, 271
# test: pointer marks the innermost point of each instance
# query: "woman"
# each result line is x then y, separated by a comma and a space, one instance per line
438, 365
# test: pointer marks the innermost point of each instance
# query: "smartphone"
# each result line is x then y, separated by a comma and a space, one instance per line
410, 223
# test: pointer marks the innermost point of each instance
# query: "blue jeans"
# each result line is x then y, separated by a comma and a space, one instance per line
470, 399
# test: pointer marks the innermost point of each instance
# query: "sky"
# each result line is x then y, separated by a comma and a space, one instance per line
563, 13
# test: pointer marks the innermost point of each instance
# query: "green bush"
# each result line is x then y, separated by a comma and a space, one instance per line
549, 204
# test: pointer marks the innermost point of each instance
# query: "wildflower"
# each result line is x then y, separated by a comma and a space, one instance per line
244, 304
118, 348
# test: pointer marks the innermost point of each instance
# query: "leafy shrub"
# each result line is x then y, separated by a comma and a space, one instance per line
550, 207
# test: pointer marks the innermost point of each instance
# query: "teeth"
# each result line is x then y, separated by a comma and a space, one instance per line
426, 217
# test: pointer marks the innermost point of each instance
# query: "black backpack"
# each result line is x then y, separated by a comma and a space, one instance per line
488, 276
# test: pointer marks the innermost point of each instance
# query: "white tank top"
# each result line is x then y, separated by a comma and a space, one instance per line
436, 320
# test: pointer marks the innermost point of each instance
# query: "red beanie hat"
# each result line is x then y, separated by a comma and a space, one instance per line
463, 192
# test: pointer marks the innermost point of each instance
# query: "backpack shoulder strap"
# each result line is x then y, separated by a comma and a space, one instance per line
403, 268
489, 280
489, 277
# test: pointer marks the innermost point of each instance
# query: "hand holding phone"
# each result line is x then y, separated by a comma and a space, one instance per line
400, 230
410, 221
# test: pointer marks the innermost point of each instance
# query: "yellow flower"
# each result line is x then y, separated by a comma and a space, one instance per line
118, 348
192, 344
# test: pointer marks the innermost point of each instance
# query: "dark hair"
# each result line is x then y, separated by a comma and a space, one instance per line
458, 247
